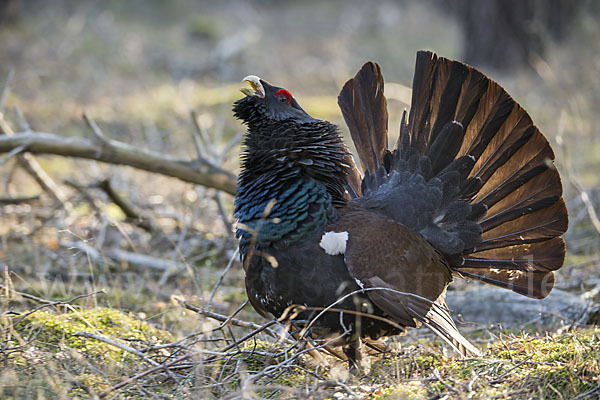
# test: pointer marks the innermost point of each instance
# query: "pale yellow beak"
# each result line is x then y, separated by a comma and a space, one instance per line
257, 87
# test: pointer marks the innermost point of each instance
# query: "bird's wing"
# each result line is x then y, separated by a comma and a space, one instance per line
401, 273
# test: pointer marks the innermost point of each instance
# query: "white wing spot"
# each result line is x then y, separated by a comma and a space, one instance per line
359, 283
334, 242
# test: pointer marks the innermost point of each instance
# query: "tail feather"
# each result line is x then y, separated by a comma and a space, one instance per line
438, 319
364, 108
466, 131
512, 177
534, 284
543, 224
421, 98
445, 147
354, 178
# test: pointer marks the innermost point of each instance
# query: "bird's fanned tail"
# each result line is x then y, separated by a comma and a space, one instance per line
515, 178
497, 211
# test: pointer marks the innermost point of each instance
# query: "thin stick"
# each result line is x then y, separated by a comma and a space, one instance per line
18, 200
12, 153
117, 344
437, 376
224, 215
202, 135
27, 296
143, 374
225, 319
244, 338
221, 277
6, 87
588, 393
98, 134
55, 303
127, 207
180, 359
30, 164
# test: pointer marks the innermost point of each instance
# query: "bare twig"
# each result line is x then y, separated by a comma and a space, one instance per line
224, 215
246, 337
437, 376
143, 374
223, 318
31, 165
98, 134
55, 303
184, 357
6, 87
12, 153
203, 144
18, 200
25, 295
127, 207
585, 197
121, 346
587, 394
221, 277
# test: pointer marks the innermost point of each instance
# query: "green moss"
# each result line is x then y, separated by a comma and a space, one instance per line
515, 367
57, 331
546, 367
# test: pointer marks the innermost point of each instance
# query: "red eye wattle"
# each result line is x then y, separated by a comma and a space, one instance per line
287, 95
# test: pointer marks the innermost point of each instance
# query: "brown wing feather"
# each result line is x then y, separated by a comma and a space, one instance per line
407, 275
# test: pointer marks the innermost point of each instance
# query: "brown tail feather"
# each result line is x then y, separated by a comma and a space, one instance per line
512, 185
513, 163
364, 108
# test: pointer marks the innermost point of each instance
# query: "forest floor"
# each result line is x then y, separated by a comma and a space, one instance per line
98, 305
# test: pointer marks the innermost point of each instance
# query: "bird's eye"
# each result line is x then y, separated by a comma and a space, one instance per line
284, 96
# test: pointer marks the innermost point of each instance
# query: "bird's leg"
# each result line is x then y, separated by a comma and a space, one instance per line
352, 351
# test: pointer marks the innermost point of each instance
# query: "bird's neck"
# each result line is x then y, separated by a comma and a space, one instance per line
293, 176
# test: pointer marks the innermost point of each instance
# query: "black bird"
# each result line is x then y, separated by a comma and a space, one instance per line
468, 190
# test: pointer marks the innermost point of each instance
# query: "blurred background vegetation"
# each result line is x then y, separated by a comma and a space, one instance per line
157, 74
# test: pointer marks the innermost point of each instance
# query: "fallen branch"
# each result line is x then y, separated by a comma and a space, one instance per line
134, 259
33, 167
199, 171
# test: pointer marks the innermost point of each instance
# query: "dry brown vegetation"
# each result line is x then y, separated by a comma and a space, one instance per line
123, 283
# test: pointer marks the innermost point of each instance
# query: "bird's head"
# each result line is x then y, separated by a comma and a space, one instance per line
264, 103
